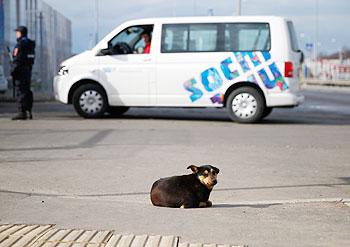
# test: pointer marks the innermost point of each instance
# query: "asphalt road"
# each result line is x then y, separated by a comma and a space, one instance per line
322, 106
279, 183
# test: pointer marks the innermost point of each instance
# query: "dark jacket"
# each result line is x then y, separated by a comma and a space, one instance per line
20, 58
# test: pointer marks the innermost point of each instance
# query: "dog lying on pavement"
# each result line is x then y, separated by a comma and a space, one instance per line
187, 191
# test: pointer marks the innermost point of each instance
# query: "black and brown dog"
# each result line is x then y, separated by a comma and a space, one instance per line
187, 191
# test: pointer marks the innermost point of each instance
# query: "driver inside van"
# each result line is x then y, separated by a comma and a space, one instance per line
147, 39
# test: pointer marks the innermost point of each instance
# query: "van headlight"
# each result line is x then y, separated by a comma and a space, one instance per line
63, 70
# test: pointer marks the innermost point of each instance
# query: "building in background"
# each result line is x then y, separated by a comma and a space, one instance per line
51, 31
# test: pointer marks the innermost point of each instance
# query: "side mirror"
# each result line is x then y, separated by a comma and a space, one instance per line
104, 52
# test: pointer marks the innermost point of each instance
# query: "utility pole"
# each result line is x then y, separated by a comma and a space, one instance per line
18, 20
2, 32
316, 37
96, 22
35, 19
239, 7
41, 37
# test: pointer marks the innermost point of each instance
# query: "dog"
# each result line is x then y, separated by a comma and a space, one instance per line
187, 191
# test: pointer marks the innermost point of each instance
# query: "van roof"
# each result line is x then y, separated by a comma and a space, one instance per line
199, 19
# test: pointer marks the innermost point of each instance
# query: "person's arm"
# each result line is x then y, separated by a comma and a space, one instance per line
19, 55
18, 59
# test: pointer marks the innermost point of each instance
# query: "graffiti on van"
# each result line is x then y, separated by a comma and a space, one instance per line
255, 67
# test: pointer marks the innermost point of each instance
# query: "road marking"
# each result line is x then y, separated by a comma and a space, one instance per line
291, 201
185, 244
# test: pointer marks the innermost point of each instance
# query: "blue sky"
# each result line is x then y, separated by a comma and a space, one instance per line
333, 16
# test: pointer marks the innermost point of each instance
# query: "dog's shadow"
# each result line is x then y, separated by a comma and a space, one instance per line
225, 205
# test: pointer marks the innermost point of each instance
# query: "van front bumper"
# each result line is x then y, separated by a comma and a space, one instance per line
284, 99
60, 90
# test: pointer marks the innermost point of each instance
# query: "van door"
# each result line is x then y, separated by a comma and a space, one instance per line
185, 73
295, 56
128, 66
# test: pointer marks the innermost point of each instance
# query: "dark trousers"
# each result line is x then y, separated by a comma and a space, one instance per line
24, 96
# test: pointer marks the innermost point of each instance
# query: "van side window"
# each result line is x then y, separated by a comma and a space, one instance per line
132, 40
247, 37
203, 37
175, 38
215, 37
189, 38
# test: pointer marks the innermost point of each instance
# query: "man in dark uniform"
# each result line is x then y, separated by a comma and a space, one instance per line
21, 73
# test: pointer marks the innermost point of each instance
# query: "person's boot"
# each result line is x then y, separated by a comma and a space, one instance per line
20, 116
30, 115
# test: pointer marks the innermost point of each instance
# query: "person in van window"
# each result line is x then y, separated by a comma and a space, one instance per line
21, 74
147, 39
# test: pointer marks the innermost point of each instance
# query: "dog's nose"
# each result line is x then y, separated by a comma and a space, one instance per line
215, 182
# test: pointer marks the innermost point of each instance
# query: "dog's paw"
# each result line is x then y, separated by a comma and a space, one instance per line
205, 204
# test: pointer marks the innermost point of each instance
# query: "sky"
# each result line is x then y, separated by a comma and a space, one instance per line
330, 17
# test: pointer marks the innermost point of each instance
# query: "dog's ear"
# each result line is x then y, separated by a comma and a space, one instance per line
193, 168
217, 170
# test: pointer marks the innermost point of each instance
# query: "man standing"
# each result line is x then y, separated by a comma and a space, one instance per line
23, 59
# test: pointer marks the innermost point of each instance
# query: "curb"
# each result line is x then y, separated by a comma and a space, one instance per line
344, 83
13, 235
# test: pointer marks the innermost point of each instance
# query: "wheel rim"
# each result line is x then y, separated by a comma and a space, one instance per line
91, 102
244, 105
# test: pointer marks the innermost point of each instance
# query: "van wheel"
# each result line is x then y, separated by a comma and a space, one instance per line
245, 105
117, 110
90, 101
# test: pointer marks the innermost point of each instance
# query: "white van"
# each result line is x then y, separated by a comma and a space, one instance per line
247, 64
3, 81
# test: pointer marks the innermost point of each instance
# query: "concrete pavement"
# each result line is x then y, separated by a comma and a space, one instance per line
284, 182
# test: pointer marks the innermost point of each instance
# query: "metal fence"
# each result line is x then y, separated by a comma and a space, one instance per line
51, 32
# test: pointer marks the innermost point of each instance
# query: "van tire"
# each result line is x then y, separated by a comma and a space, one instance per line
90, 101
245, 105
116, 111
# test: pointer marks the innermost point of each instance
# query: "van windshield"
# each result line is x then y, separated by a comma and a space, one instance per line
293, 37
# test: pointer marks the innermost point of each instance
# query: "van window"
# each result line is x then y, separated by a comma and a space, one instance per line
175, 38
247, 37
203, 37
189, 38
129, 41
293, 37
215, 37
